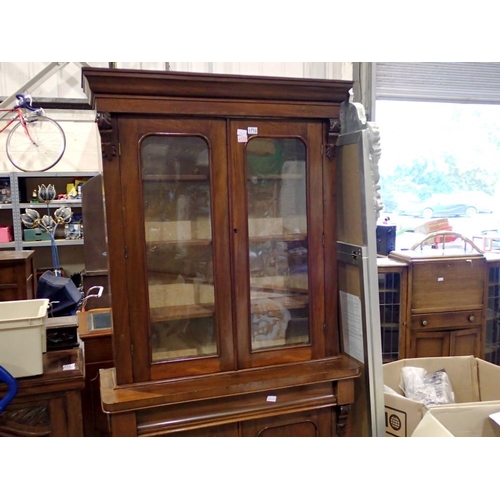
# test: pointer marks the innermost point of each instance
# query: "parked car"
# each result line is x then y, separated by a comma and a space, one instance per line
448, 205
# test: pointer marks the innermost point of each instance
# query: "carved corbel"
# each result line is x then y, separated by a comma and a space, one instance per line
109, 139
343, 412
333, 134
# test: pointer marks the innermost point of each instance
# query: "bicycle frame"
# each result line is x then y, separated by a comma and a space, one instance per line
19, 116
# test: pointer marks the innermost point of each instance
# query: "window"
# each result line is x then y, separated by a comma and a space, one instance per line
440, 152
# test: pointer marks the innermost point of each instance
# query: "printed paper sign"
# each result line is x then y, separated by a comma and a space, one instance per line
352, 325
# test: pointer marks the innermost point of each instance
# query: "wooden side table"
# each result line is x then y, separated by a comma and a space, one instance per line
48, 404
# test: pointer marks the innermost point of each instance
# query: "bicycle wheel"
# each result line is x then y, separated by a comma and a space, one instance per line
43, 151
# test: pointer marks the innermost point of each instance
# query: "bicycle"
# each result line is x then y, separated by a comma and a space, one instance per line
36, 143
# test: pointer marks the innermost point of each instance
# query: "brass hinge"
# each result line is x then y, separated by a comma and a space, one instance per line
125, 251
119, 149
323, 239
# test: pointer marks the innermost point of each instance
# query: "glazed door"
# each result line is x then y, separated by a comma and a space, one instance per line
174, 176
277, 195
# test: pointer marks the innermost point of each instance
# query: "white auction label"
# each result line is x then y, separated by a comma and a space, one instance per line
272, 399
242, 135
253, 130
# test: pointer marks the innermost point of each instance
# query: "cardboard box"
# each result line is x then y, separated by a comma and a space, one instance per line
473, 380
36, 235
432, 226
459, 421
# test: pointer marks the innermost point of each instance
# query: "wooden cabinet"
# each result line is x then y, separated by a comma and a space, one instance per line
95, 332
48, 404
445, 309
421, 318
218, 193
17, 276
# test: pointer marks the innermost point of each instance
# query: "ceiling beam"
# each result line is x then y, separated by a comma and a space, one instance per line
35, 82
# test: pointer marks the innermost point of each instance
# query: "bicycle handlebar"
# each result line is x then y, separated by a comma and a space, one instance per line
23, 102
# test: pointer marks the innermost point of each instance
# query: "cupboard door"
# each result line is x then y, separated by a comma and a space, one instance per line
492, 333
430, 344
392, 306
312, 423
465, 342
174, 176
277, 194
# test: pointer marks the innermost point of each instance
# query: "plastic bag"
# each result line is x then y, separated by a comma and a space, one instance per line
62, 293
428, 389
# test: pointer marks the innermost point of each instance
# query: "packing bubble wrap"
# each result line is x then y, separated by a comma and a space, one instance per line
428, 389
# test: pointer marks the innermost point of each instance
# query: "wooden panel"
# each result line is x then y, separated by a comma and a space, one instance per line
465, 342
349, 195
229, 430
201, 414
314, 423
16, 275
430, 345
95, 420
117, 398
439, 286
189, 85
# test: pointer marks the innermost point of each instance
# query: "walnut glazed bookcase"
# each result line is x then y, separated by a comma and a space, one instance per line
220, 211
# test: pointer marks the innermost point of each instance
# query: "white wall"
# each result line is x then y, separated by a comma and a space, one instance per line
83, 142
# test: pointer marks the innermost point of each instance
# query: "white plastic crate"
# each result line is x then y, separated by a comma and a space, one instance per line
23, 336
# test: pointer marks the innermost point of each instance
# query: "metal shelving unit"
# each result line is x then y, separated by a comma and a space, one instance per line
17, 207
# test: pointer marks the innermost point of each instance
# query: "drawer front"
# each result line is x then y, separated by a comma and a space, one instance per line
435, 321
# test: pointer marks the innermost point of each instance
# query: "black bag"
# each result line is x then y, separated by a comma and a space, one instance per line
62, 293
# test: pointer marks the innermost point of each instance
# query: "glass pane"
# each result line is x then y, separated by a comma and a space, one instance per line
176, 187
277, 226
